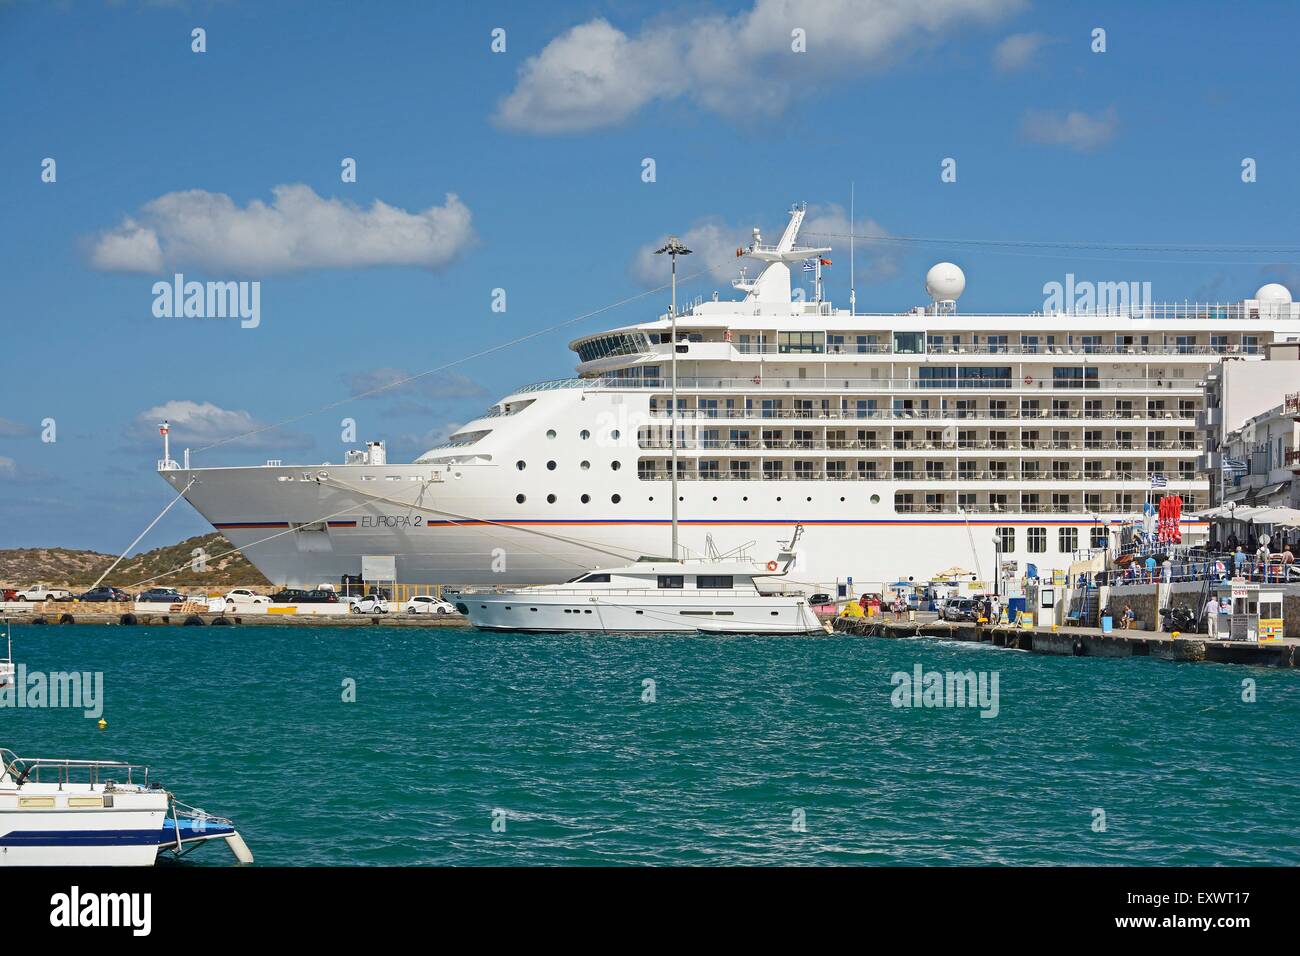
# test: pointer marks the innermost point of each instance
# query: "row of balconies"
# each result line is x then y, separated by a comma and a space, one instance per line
992, 445
910, 414
817, 474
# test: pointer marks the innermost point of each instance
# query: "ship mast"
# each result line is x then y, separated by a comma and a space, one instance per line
674, 248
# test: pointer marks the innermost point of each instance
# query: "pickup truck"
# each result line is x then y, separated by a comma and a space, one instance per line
43, 592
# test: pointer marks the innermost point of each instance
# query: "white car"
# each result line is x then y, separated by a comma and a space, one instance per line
428, 604
370, 604
246, 596
43, 592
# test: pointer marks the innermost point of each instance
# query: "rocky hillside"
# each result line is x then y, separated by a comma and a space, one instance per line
20, 567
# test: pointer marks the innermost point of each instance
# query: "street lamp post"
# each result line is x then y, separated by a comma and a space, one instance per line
997, 565
674, 248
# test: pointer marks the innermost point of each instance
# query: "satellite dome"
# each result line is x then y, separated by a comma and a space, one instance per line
945, 282
1274, 293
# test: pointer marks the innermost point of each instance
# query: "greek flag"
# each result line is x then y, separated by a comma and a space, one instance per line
809, 265
1158, 480
1235, 466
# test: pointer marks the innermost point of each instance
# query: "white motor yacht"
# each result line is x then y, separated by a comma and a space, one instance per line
707, 596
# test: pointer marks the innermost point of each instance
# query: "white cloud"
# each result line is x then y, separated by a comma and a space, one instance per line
713, 243
1017, 51
202, 423
1082, 132
596, 75
12, 429
297, 230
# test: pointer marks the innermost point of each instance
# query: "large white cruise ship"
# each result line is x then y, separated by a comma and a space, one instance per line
903, 443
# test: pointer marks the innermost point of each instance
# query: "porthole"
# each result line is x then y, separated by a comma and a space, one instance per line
584, 434
841, 497
550, 499
520, 499
875, 499
615, 435
550, 433
586, 498
745, 498
550, 466
681, 497
778, 497
521, 465
616, 465
616, 498
715, 497
809, 498
585, 465
651, 498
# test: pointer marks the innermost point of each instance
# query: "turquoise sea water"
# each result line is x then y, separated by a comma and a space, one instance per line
450, 725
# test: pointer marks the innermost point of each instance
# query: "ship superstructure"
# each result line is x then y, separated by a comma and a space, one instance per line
903, 443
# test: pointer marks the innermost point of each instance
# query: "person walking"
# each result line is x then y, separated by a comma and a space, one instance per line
995, 611
1212, 616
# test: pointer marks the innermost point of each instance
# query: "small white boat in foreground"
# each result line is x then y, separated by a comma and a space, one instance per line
56, 812
708, 596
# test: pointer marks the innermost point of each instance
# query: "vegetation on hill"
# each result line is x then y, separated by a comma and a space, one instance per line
66, 567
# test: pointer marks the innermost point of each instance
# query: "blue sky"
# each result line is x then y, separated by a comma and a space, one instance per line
169, 160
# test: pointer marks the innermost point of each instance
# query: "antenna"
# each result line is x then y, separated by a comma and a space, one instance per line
853, 289
674, 248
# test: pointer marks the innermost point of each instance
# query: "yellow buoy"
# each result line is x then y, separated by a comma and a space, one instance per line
103, 724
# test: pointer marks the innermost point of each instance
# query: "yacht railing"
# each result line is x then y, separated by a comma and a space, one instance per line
23, 769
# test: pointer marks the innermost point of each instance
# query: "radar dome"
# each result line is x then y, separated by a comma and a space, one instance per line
1273, 293
945, 282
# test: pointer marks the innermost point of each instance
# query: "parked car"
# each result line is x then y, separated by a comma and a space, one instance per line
246, 596
819, 600
370, 604
43, 592
963, 609
428, 604
289, 596
161, 596
104, 593
320, 596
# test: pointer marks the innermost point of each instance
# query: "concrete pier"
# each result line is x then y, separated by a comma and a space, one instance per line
1084, 641
127, 617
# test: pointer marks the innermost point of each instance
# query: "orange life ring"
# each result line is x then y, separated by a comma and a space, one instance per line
771, 565
1029, 380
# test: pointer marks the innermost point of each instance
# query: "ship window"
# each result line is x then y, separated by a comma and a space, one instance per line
1037, 540
584, 465
724, 581
596, 579
550, 499
550, 466
584, 434
909, 343
585, 499
672, 581
614, 435
616, 498
1069, 540
520, 465
550, 433
616, 465
520, 499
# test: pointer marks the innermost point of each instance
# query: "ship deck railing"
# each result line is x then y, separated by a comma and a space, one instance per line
884, 475
768, 382
981, 348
